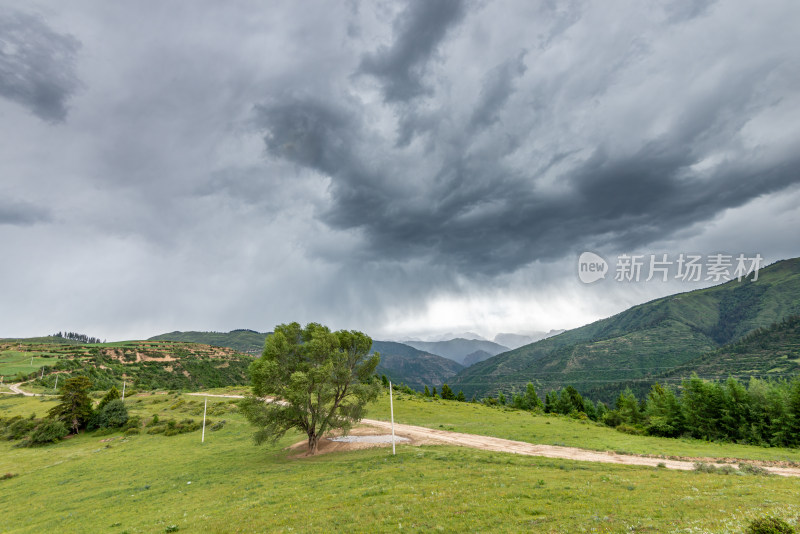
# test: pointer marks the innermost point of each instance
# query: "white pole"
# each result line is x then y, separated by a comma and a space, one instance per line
391, 409
41, 377
54, 387
31, 361
123, 390
203, 439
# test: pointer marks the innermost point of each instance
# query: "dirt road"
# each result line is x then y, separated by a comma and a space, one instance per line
427, 435
15, 389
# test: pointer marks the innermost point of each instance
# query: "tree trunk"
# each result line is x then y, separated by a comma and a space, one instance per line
313, 441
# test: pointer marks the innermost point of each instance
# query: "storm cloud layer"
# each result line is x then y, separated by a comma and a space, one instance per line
385, 166
36, 64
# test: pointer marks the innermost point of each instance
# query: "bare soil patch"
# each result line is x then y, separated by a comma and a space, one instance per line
327, 445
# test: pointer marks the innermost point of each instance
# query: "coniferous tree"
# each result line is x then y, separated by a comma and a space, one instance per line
735, 417
75, 409
447, 393
663, 411
794, 413
628, 407
532, 399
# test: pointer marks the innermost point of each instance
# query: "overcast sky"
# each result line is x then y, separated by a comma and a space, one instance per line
404, 169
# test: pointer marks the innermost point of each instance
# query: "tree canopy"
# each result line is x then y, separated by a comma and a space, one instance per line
310, 379
75, 408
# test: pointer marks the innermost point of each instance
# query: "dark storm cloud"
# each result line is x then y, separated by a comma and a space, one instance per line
235, 165
497, 87
465, 204
418, 32
19, 213
36, 65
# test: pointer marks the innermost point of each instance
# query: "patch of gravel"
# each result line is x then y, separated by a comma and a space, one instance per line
369, 439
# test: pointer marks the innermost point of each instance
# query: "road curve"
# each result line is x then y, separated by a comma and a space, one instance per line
15, 389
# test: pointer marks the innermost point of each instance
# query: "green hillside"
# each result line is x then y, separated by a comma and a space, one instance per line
241, 340
648, 339
765, 353
142, 364
413, 367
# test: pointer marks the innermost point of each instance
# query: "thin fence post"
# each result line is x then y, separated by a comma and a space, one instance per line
391, 409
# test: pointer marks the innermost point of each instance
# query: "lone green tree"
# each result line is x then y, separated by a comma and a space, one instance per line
310, 379
75, 409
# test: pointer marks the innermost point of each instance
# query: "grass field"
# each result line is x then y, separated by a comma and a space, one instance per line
13, 362
153, 483
558, 430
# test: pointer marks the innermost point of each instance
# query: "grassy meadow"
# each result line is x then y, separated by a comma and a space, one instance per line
13, 362
525, 426
155, 483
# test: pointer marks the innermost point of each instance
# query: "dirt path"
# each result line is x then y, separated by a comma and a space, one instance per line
16, 390
487, 443
213, 395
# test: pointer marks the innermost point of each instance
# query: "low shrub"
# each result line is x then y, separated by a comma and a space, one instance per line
702, 467
47, 431
134, 422
8, 475
751, 469
18, 427
217, 426
630, 429
769, 525
171, 427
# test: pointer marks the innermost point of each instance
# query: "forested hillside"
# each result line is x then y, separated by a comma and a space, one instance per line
647, 340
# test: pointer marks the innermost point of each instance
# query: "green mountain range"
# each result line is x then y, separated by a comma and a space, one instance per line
664, 335
415, 368
459, 348
401, 363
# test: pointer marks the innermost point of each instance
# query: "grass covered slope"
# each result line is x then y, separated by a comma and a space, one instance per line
413, 367
764, 353
144, 364
241, 340
647, 339
155, 483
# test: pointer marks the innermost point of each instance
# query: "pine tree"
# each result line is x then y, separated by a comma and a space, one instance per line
75, 408
447, 393
533, 401
664, 412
